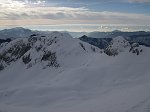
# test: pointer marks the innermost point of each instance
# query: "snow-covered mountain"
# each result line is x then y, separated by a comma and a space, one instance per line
120, 44
113, 46
17, 32
43, 49
58, 73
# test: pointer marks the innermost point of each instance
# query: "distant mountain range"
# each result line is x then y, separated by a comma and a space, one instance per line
142, 39
102, 40
99, 39
102, 43
17, 32
116, 33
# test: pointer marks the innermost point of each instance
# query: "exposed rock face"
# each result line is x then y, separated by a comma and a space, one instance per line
119, 44
26, 49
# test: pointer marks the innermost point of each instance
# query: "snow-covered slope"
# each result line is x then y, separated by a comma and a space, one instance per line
86, 80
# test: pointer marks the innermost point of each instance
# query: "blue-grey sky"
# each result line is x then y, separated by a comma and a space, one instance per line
59, 12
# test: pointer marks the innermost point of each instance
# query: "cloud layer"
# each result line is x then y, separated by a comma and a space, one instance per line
14, 12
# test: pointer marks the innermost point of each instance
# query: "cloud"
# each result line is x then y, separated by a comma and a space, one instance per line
139, 1
33, 12
78, 15
20, 3
11, 4
41, 13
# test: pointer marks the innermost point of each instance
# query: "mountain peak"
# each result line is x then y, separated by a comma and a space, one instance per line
43, 49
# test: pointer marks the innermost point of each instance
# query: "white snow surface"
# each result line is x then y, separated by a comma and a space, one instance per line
119, 44
86, 81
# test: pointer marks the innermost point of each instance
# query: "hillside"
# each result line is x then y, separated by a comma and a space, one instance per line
59, 73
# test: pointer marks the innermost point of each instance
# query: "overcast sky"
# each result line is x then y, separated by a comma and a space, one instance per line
56, 12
